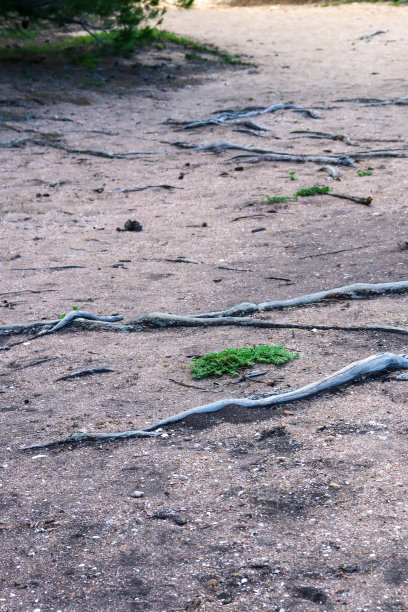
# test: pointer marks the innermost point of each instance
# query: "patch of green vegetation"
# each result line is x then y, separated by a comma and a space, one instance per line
293, 176
163, 36
364, 172
230, 360
197, 57
277, 199
64, 314
86, 50
315, 190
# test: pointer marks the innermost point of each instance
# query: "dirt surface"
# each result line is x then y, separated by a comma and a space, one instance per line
298, 508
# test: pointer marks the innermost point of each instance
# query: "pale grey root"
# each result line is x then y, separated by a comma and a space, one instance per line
236, 315
253, 158
323, 136
10, 144
357, 370
163, 320
348, 292
258, 154
230, 117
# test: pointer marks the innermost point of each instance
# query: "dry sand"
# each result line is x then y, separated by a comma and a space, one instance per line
311, 513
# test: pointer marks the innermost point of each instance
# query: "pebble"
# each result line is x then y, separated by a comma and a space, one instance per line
137, 494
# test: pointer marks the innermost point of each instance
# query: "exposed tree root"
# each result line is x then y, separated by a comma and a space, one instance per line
87, 372
6, 330
324, 136
377, 101
144, 188
236, 315
357, 370
229, 117
257, 154
340, 160
56, 145
348, 292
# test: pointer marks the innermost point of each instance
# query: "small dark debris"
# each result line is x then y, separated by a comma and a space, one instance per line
130, 226
311, 594
99, 190
204, 224
42, 195
181, 176
180, 520
350, 569
275, 432
258, 229
239, 169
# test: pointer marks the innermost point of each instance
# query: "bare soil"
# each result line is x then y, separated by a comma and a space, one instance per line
295, 509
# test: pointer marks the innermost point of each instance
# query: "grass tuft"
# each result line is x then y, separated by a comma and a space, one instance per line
230, 360
315, 190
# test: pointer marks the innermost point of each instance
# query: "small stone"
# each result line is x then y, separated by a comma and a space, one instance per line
137, 494
335, 485
130, 226
180, 520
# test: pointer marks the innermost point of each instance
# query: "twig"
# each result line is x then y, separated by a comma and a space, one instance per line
181, 260
54, 268
324, 136
365, 201
88, 372
183, 384
234, 269
357, 370
369, 37
25, 291
131, 189
334, 252
229, 117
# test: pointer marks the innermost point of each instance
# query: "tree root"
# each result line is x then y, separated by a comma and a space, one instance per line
144, 188
19, 328
357, 370
348, 292
324, 136
229, 117
254, 158
236, 315
256, 154
377, 101
94, 152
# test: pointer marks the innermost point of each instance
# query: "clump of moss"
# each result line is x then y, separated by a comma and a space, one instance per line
315, 190
230, 360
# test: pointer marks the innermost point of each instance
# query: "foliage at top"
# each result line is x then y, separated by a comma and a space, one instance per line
230, 360
122, 16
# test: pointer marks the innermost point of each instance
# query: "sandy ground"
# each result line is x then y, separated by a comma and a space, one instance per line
293, 509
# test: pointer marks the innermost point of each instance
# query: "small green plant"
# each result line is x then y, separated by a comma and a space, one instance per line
64, 314
364, 172
315, 190
277, 199
293, 176
230, 360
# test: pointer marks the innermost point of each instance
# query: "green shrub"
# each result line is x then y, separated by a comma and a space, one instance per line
230, 360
